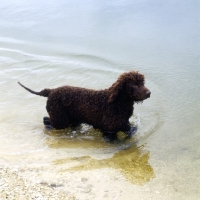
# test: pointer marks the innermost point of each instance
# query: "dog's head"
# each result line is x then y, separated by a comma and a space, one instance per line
131, 85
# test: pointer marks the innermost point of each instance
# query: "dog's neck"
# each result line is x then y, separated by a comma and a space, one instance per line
126, 99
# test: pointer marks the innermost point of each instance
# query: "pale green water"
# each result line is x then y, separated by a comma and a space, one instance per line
89, 44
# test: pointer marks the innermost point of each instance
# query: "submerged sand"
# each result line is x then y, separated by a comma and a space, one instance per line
95, 184
98, 184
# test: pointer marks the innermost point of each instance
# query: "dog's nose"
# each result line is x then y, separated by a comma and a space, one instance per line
148, 94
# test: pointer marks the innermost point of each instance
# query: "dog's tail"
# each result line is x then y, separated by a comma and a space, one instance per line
44, 93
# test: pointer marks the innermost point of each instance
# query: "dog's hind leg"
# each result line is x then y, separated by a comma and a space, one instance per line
46, 120
47, 123
59, 121
58, 117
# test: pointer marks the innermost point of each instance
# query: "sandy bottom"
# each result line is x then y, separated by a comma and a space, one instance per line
40, 183
94, 184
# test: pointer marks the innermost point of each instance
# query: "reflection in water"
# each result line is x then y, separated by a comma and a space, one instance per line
132, 163
130, 160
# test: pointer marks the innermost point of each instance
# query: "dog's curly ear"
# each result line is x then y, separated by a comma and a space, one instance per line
115, 89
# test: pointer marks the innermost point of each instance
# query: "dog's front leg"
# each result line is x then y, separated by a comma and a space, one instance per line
131, 130
110, 136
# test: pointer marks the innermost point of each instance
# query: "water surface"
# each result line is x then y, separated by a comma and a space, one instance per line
54, 43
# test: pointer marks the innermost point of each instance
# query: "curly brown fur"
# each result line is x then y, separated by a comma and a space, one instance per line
108, 110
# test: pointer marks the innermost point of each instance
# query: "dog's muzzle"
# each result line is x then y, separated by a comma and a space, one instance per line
148, 94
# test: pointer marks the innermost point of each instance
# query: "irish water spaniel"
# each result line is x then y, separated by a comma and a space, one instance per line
108, 110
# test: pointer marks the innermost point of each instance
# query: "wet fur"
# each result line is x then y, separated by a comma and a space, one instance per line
108, 110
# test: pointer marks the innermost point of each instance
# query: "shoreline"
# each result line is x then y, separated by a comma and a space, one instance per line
35, 183
98, 184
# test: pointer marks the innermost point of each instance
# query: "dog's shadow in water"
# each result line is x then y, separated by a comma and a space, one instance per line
129, 158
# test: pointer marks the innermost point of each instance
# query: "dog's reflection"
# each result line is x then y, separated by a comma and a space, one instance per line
132, 161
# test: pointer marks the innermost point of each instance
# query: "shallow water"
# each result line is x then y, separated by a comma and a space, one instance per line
45, 45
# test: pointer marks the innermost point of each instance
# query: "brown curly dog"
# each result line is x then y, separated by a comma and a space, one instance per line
108, 110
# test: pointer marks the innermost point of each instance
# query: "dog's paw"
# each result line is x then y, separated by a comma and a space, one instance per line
46, 121
48, 127
132, 132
